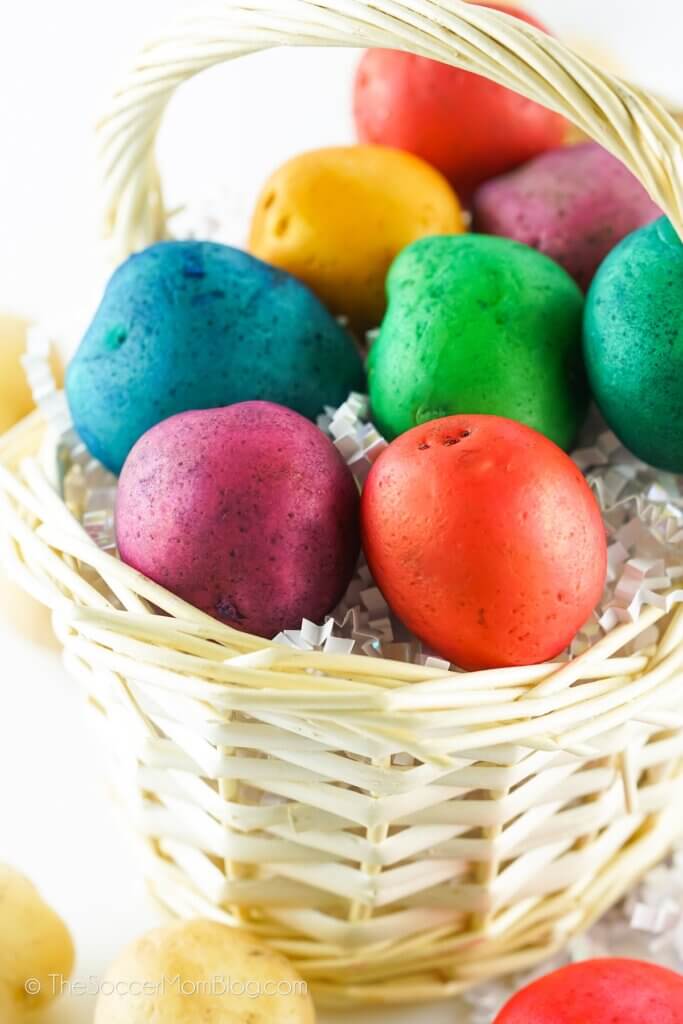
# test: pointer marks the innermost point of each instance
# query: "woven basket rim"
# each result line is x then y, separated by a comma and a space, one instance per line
398, 690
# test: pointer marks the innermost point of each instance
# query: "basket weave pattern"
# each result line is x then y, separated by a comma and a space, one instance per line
400, 832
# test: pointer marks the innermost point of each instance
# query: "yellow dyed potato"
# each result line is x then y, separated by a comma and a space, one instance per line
336, 218
202, 972
16, 400
34, 945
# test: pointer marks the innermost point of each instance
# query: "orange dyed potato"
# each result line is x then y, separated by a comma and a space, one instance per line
485, 540
336, 218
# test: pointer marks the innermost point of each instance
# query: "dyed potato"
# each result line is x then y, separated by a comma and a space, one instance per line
466, 126
335, 218
485, 540
197, 325
249, 513
600, 992
574, 204
479, 325
16, 400
224, 976
633, 344
34, 945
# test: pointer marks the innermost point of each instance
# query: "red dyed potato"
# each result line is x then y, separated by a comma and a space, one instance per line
600, 992
485, 540
468, 127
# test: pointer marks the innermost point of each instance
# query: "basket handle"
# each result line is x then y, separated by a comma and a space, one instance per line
624, 119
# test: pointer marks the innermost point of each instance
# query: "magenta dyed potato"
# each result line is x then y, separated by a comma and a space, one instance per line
247, 512
573, 204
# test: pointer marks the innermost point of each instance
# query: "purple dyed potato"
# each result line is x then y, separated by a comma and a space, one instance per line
247, 512
574, 204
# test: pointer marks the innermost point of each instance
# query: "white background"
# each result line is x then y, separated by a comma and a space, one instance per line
227, 129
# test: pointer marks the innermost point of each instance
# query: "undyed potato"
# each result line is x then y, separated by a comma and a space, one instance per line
16, 400
27, 616
179, 964
10, 1009
34, 944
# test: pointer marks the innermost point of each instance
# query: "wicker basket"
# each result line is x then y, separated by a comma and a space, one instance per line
399, 832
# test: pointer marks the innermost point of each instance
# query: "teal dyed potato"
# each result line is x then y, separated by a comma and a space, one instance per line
477, 324
197, 325
633, 344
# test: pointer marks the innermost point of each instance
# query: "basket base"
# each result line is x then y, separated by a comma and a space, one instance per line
440, 964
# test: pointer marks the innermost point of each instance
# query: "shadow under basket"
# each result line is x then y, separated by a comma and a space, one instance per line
399, 832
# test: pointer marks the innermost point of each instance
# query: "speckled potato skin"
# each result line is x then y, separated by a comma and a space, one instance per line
600, 992
336, 218
177, 975
574, 204
466, 125
479, 325
633, 344
249, 513
197, 325
485, 540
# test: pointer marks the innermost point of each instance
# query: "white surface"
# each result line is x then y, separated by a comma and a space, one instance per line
230, 127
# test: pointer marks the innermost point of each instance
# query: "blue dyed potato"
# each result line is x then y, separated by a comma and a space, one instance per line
197, 325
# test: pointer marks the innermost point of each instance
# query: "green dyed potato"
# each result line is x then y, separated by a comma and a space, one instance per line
633, 344
477, 324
